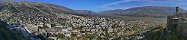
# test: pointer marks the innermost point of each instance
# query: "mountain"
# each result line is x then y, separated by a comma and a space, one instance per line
144, 11
31, 7
84, 12
113, 12
62, 8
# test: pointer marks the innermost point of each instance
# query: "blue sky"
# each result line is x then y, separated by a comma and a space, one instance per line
102, 5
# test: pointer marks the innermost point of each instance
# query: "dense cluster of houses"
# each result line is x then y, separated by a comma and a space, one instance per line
78, 26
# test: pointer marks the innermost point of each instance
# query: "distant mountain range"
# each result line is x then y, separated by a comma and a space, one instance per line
143, 11
84, 12
34, 7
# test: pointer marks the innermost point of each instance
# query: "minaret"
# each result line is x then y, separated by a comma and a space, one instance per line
179, 24
177, 11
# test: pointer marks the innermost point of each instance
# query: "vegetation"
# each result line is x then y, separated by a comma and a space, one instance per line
154, 34
6, 34
161, 33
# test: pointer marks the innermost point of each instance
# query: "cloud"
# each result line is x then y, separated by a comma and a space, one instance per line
118, 2
123, 1
145, 1
139, 3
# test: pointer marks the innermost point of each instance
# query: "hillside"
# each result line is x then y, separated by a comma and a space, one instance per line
143, 11
84, 12
113, 12
29, 7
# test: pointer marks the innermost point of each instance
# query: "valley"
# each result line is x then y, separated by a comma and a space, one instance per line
42, 21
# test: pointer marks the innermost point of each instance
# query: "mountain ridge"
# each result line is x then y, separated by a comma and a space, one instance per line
145, 10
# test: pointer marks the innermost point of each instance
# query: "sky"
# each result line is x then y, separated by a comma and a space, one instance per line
102, 5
